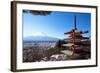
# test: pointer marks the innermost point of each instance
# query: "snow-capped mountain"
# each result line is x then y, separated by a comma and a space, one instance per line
40, 38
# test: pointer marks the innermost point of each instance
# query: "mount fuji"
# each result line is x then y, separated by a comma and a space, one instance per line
40, 38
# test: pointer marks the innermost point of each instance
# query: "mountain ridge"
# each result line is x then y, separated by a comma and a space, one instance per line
40, 38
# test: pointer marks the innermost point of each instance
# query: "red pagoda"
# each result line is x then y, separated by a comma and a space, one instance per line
77, 43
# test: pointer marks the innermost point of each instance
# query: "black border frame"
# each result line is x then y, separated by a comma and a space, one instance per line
14, 34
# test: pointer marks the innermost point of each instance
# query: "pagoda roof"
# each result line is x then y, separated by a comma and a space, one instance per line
78, 47
77, 39
73, 32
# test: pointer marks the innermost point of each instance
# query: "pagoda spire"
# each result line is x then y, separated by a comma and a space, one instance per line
75, 22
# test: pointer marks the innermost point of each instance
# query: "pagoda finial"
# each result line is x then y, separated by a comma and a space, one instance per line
75, 22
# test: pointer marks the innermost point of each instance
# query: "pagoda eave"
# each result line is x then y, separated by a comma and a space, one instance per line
76, 32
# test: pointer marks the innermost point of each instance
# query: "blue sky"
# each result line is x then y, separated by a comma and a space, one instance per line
55, 24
